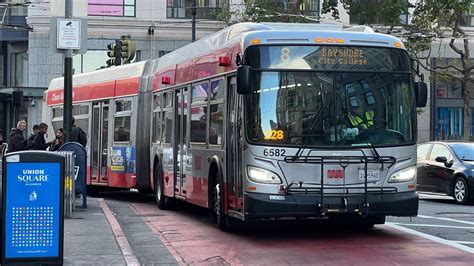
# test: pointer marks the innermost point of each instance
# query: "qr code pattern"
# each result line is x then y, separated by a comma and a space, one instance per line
32, 227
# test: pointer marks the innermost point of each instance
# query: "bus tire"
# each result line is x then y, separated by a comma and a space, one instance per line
163, 202
218, 215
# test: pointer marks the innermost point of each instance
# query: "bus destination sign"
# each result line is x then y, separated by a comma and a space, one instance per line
342, 56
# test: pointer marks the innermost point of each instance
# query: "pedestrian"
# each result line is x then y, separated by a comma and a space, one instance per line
39, 141
31, 138
58, 141
77, 134
17, 140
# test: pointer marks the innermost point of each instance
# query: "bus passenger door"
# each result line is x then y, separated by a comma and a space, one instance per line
180, 144
99, 142
233, 148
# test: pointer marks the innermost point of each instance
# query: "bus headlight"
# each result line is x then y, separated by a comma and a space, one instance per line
404, 175
262, 176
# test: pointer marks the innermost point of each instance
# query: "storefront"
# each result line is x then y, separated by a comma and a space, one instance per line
447, 106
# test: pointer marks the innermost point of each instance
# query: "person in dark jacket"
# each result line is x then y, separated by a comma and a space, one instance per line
59, 141
77, 134
40, 142
17, 140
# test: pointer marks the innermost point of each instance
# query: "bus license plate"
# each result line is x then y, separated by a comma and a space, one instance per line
372, 175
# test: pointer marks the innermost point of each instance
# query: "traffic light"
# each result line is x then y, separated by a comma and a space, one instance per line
128, 49
114, 54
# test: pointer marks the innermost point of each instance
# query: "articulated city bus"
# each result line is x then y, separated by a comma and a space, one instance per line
259, 121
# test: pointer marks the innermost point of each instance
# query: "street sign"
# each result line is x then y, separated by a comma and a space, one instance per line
69, 34
33, 228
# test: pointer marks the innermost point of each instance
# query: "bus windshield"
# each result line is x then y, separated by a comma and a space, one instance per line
293, 108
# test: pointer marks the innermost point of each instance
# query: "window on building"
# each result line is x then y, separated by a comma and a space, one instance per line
368, 12
468, 19
19, 76
115, 8
449, 123
205, 9
447, 86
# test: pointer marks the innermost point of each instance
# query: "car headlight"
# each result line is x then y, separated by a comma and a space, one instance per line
404, 175
262, 176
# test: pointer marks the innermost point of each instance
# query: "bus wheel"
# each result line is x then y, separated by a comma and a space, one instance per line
217, 210
163, 202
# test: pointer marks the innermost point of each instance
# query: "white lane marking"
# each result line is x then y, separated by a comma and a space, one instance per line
436, 225
432, 238
465, 242
446, 219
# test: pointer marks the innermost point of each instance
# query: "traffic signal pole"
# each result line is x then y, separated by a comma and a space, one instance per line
67, 114
193, 22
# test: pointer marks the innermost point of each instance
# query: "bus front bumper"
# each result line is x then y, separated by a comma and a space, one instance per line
258, 206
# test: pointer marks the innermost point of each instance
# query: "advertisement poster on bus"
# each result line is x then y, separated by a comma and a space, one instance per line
32, 210
123, 159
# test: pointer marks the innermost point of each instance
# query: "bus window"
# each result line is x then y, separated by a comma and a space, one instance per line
168, 125
122, 128
57, 112
216, 129
122, 120
157, 121
198, 124
199, 94
217, 90
216, 112
199, 99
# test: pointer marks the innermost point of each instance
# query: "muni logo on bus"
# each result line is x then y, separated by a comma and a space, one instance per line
333, 174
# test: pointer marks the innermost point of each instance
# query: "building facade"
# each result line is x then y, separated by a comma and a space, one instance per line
29, 60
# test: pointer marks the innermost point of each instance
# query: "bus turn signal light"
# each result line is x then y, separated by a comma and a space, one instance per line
256, 41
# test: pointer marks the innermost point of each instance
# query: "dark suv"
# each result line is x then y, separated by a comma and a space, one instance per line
447, 167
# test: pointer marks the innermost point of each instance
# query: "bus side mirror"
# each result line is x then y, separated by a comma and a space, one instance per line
244, 79
421, 93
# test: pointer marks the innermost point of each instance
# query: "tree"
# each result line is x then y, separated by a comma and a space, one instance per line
268, 11
433, 22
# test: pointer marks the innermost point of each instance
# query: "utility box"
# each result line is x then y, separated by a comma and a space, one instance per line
32, 207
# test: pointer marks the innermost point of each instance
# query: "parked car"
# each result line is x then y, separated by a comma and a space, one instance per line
447, 167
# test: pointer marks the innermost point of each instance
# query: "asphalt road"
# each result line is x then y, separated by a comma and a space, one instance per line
442, 234
440, 217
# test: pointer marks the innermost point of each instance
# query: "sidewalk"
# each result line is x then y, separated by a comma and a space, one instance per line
88, 238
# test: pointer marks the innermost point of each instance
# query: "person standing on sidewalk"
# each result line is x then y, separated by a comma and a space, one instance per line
77, 134
40, 142
17, 140
59, 141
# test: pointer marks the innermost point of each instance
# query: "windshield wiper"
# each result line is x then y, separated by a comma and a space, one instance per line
310, 133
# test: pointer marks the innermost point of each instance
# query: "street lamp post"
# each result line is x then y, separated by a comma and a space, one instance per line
67, 115
193, 24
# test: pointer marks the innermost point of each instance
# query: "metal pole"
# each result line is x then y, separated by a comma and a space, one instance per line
67, 109
193, 24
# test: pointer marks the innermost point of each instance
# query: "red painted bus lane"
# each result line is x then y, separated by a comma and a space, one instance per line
195, 240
